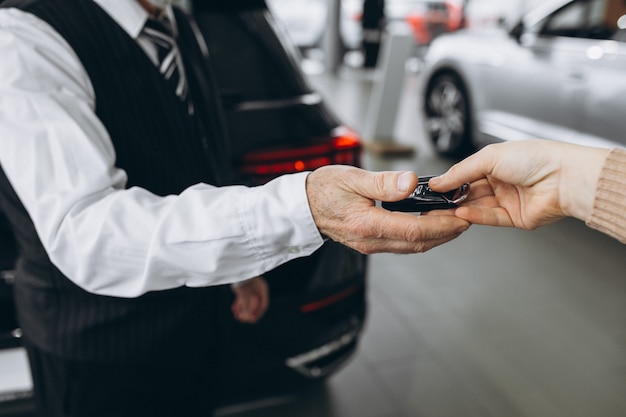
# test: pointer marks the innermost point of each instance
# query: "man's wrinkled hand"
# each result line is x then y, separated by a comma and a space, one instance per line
342, 201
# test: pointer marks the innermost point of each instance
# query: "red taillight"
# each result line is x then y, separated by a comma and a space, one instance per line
330, 300
343, 147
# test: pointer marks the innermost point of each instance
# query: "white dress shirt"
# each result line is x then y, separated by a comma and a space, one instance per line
108, 239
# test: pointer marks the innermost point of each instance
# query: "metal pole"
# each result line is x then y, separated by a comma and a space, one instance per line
382, 113
332, 39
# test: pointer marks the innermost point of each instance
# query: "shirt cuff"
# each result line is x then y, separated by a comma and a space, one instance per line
278, 219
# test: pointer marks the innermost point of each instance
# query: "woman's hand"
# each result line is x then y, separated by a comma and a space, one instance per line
526, 184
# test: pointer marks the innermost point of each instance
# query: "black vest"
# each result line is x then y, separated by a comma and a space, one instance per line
163, 150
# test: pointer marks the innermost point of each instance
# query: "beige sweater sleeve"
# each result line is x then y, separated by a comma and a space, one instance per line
609, 208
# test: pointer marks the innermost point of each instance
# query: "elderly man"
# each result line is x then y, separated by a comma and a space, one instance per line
127, 227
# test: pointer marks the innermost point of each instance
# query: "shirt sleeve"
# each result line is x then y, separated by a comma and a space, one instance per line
609, 209
115, 241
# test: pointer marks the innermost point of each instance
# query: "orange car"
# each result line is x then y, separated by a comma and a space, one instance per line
438, 18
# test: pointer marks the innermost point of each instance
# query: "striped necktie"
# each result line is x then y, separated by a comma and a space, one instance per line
160, 32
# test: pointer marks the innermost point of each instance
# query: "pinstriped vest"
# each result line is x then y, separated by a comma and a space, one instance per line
142, 115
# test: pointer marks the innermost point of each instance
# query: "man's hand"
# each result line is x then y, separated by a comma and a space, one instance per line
342, 201
251, 300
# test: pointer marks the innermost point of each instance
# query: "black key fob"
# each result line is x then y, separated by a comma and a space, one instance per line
425, 199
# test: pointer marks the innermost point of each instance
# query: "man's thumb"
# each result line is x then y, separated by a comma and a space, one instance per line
406, 183
390, 185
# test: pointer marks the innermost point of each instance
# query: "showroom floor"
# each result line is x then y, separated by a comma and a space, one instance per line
497, 323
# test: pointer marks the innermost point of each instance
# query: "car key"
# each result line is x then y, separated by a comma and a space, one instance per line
425, 199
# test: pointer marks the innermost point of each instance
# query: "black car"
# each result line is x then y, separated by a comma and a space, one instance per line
276, 124
13, 401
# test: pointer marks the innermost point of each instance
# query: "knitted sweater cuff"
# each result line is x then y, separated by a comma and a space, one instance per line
609, 208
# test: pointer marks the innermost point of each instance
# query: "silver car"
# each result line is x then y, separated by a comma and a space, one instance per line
559, 74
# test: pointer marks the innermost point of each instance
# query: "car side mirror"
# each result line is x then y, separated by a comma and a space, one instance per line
517, 31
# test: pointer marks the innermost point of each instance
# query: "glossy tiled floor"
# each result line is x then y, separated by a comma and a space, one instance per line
497, 323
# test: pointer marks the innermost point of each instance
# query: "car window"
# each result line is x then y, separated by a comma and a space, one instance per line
568, 21
593, 19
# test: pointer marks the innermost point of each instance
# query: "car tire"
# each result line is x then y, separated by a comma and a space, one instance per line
447, 116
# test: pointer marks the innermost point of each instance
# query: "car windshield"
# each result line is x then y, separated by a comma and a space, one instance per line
539, 13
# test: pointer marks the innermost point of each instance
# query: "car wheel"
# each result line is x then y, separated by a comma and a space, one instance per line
447, 116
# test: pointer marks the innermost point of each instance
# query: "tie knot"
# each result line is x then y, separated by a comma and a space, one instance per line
160, 32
